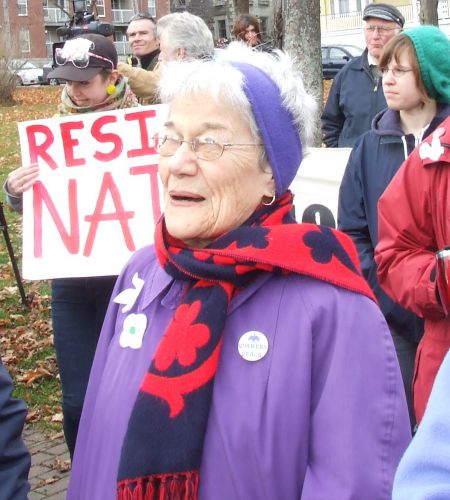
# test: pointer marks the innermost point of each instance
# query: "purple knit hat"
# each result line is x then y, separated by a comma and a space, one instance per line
275, 123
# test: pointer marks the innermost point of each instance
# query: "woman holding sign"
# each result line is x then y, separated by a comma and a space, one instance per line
243, 355
415, 75
88, 64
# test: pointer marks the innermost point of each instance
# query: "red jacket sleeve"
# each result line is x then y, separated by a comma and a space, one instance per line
405, 253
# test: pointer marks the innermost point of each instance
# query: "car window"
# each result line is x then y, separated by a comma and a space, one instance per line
336, 53
28, 65
354, 51
324, 52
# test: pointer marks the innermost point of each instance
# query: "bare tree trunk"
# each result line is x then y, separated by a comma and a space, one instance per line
6, 21
428, 12
301, 39
278, 25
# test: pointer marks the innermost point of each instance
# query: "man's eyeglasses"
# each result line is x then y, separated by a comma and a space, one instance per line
203, 150
397, 72
382, 30
78, 59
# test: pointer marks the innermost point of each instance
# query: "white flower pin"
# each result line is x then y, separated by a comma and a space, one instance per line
434, 150
133, 331
128, 296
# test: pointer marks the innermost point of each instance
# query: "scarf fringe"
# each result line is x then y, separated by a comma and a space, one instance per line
181, 486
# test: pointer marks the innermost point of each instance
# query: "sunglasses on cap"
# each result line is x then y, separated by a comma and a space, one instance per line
79, 58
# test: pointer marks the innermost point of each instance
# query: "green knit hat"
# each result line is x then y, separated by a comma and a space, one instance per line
433, 52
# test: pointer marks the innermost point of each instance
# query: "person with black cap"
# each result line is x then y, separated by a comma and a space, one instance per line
89, 66
356, 94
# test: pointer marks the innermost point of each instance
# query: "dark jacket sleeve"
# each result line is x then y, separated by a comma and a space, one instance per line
333, 117
15, 459
15, 202
353, 219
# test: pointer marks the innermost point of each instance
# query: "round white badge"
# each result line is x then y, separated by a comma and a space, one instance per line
253, 346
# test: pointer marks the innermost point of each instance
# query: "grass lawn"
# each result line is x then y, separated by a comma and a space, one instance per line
25, 331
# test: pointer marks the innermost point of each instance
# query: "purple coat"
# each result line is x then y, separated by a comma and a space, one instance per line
321, 416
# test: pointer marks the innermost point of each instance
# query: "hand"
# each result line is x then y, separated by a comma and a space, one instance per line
21, 179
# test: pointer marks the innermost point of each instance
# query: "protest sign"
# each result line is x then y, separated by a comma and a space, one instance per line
98, 194
97, 197
316, 185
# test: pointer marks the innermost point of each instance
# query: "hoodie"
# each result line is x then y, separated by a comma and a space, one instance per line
374, 161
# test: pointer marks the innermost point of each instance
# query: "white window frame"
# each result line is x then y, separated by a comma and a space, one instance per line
20, 5
151, 5
216, 26
100, 5
24, 40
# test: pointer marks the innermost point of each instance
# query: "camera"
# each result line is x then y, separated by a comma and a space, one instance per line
83, 21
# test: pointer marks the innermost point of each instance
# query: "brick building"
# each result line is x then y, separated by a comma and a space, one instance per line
31, 26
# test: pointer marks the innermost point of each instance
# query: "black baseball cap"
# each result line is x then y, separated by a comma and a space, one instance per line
76, 60
384, 11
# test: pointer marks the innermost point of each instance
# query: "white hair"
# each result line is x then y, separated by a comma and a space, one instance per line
188, 32
225, 83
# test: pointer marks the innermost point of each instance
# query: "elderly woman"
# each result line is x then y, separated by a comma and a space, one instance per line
242, 356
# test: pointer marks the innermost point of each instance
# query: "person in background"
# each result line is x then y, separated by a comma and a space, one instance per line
144, 44
414, 223
88, 64
424, 470
247, 29
356, 94
15, 460
182, 36
412, 70
243, 355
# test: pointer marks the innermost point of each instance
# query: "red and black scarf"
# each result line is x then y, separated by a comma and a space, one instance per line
162, 449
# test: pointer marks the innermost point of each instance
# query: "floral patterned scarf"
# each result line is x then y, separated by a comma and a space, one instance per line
162, 449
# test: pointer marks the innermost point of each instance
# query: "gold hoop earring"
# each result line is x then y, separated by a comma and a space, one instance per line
271, 202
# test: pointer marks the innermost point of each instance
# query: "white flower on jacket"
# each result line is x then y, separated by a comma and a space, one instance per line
129, 296
434, 150
133, 331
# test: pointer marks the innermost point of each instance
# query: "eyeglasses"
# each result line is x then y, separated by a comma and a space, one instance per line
142, 15
203, 150
397, 72
382, 30
79, 59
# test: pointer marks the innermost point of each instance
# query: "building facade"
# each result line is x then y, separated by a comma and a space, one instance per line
341, 20
31, 26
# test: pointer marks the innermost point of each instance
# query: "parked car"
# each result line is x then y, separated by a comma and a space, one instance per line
26, 73
49, 81
335, 57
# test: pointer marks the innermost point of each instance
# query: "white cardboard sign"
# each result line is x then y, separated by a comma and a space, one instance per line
97, 197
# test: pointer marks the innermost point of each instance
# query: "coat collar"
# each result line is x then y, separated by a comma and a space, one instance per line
158, 282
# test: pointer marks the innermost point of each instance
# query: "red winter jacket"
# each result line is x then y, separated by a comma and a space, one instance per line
413, 223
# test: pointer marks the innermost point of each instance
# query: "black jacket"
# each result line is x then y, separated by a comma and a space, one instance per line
374, 161
15, 460
355, 98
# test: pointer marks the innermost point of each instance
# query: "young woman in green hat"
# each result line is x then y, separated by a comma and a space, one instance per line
416, 78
